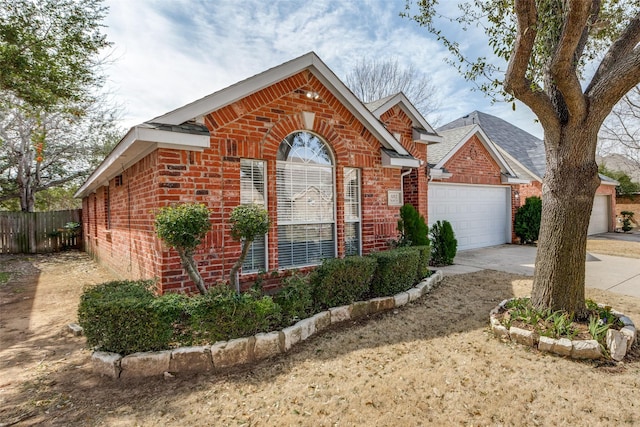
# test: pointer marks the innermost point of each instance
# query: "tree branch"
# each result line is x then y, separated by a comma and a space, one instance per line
616, 81
516, 81
623, 46
563, 65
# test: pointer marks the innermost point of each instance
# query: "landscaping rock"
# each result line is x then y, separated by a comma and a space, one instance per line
191, 359
75, 329
232, 353
522, 336
322, 320
291, 336
626, 321
563, 347
546, 344
401, 299
500, 331
340, 314
106, 364
617, 344
424, 287
307, 328
381, 304
414, 294
146, 364
630, 332
586, 349
266, 345
360, 309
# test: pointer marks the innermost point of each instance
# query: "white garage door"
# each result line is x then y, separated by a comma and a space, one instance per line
599, 222
480, 215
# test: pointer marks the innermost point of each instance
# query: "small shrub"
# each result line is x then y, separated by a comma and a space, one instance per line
121, 317
341, 281
396, 271
412, 227
294, 298
423, 263
223, 314
443, 243
627, 216
527, 220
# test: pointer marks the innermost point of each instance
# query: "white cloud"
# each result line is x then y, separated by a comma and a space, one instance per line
169, 53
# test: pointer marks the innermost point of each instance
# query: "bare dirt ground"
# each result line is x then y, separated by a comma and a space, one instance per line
432, 362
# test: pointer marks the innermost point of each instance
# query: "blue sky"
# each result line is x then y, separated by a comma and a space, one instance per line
168, 53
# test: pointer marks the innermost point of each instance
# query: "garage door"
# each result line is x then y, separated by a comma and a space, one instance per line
599, 222
480, 215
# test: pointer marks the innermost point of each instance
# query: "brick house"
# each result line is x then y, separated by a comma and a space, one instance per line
331, 171
484, 170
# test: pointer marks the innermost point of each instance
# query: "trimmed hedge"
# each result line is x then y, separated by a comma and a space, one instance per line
341, 281
396, 271
126, 317
295, 298
121, 317
222, 314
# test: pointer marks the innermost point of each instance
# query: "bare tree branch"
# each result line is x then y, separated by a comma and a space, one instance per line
516, 81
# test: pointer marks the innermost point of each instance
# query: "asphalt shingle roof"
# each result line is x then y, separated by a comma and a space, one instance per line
451, 138
521, 145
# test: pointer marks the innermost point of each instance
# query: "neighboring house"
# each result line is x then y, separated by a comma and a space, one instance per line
331, 172
484, 170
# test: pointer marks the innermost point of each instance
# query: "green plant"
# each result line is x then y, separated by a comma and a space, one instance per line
527, 220
247, 223
598, 328
423, 263
183, 227
559, 324
396, 271
294, 298
443, 243
412, 227
121, 317
223, 314
339, 282
627, 216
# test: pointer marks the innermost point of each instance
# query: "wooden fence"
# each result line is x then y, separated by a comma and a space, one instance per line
39, 232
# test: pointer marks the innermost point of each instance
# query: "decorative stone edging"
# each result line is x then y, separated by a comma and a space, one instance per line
240, 351
618, 342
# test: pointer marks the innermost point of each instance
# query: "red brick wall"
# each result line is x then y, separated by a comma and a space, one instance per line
415, 183
472, 164
249, 128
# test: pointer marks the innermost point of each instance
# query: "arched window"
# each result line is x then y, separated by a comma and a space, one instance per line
306, 212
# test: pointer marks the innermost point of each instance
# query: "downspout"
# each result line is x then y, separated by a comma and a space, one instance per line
402, 175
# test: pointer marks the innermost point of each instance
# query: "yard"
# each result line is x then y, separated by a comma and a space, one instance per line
430, 362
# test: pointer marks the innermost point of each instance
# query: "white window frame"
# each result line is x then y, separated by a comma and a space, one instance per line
358, 173
251, 162
332, 222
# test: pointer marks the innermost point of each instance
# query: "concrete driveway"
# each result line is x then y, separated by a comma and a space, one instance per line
612, 273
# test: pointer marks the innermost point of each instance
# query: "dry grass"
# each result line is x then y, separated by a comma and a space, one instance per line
614, 247
432, 362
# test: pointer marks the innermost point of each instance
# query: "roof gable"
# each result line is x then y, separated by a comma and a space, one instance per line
381, 106
244, 88
455, 139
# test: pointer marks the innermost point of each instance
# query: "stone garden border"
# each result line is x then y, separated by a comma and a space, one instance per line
618, 342
227, 354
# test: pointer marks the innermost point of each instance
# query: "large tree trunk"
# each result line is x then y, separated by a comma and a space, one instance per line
568, 190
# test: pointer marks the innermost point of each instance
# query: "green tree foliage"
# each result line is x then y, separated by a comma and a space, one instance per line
412, 227
49, 50
527, 220
183, 227
540, 51
443, 243
247, 223
626, 186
